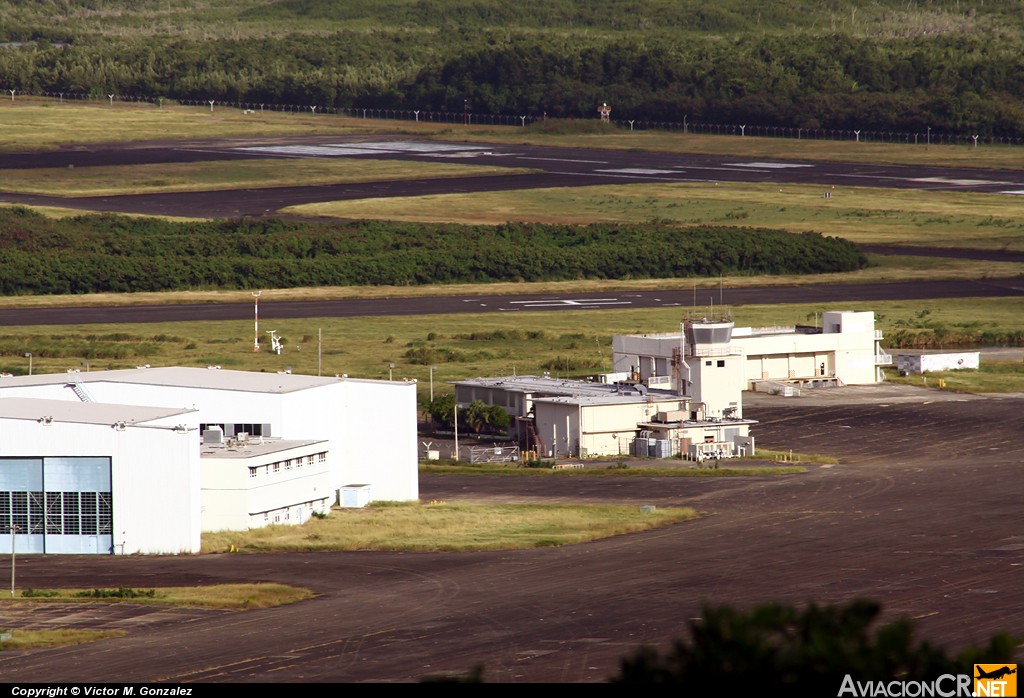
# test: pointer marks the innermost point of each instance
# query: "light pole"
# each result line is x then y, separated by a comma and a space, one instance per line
391, 369
256, 317
432, 383
14, 529
455, 414
28, 355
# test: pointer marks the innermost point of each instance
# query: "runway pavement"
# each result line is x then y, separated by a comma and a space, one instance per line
555, 167
704, 297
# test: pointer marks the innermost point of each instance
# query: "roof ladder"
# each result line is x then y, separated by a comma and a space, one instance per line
80, 391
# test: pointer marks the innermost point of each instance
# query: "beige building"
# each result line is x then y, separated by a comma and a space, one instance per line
569, 418
254, 483
713, 362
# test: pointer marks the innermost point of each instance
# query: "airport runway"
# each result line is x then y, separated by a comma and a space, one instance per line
553, 167
685, 300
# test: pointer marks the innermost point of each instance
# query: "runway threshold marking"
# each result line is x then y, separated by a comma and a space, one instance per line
769, 165
590, 162
568, 303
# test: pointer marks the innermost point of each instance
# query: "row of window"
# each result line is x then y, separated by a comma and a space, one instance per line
57, 513
290, 463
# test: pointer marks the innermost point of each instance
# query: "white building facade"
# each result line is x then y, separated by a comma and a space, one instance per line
98, 478
132, 439
713, 361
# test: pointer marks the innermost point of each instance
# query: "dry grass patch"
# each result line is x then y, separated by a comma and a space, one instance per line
460, 345
61, 637
227, 596
860, 214
461, 527
681, 469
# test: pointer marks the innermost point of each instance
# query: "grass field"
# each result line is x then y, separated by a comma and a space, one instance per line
461, 346
228, 596
228, 174
41, 123
22, 639
443, 526
859, 214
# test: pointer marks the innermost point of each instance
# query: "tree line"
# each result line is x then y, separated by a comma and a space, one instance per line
939, 67
110, 253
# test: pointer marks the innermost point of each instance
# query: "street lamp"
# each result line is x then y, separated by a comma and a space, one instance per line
391, 368
28, 355
432, 382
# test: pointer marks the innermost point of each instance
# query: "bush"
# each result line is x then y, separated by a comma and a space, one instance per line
808, 652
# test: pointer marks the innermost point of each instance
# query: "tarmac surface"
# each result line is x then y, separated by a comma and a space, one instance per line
433, 305
922, 513
552, 167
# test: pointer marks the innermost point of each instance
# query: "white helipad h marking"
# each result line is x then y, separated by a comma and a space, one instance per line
555, 302
958, 182
769, 165
638, 170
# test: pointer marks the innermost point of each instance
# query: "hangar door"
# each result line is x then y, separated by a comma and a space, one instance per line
56, 505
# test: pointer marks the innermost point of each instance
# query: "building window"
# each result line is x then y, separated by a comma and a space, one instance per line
277, 467
707, 363
322, 456
252, 472
721, 363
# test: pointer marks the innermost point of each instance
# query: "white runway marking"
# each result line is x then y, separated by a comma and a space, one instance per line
566, 303
371, 148
640, 171
591, 162
769, 165
958, 182
1019, 192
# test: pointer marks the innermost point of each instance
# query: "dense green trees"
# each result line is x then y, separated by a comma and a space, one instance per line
953, 65
101, 253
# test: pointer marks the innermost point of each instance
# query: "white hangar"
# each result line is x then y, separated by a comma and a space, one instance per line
133, 438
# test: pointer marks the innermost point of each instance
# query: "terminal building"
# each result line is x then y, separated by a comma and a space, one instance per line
144, 460
844, 350
681, 393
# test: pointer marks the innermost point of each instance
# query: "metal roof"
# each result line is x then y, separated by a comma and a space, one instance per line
253, 448
37, 409
565, 388
187, 377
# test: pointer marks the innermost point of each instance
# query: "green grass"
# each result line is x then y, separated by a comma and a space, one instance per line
859, 214
449, 526
229, 174
229, 596
994, 377
22, 639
